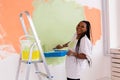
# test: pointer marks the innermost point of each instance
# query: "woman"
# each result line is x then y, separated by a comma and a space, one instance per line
79, 51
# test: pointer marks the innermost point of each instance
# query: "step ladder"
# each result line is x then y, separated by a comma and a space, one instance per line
35, 43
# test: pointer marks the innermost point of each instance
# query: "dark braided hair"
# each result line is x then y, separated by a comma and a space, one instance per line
87, 33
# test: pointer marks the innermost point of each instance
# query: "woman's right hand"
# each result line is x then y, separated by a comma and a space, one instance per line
58, 47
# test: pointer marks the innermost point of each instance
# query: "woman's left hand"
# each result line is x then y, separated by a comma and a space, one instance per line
69, 53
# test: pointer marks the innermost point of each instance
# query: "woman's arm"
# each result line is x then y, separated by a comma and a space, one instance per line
62, 46
66, 44
79, 56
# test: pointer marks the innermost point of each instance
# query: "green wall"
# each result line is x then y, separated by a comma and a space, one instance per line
55, 21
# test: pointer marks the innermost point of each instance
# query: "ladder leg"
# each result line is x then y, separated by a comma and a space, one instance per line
37, 71
18, 70
27, 71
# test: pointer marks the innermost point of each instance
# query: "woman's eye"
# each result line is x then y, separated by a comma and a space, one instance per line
82, 26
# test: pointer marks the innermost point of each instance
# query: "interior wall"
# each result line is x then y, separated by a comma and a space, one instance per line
114, 23
118, 22
100, 63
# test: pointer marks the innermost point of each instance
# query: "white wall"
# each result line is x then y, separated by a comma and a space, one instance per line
118, 21
114, 13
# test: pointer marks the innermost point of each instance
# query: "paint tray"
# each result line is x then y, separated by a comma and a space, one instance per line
56, 53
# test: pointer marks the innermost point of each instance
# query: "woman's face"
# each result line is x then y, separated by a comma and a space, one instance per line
81, 28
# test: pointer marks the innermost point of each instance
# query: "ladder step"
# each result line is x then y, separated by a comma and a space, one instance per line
33, 61
44, 74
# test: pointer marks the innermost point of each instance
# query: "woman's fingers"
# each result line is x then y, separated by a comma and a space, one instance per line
58, 47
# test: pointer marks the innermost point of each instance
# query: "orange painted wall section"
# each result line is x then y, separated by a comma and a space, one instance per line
9, 19
94, 16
